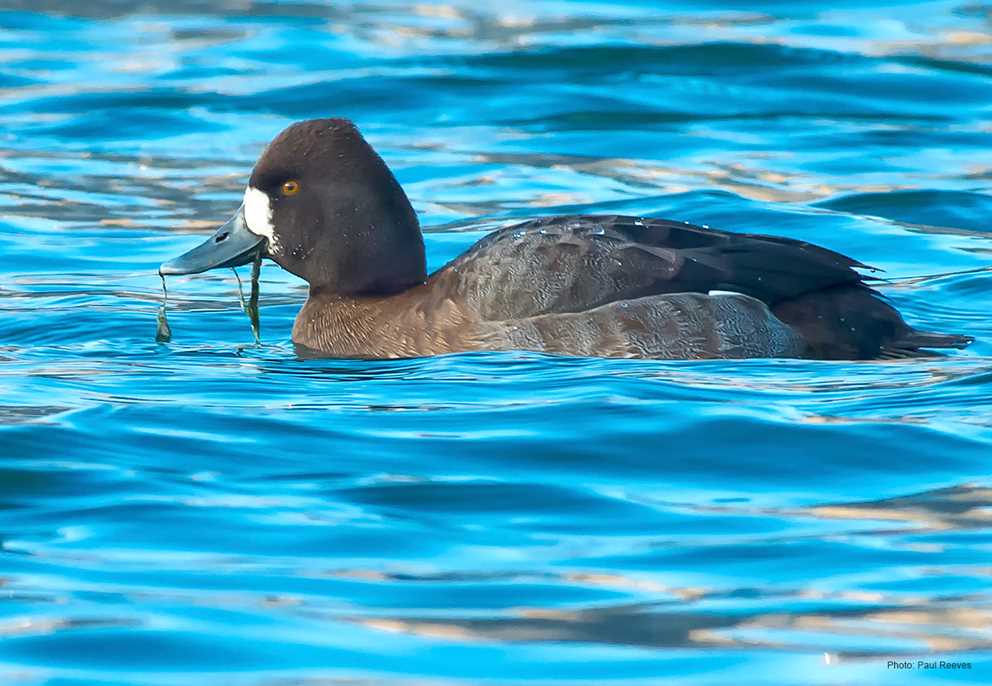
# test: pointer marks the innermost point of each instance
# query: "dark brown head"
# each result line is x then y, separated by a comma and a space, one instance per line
332, 213
323, 205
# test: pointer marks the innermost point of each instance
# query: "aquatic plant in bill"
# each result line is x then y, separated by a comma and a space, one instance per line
163, 333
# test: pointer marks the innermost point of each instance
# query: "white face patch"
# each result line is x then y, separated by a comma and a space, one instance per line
258, 217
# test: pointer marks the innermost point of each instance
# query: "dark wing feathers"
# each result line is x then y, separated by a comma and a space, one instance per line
768, 268
575, 263
571, 264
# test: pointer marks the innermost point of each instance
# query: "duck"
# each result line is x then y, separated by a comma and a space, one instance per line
323, 205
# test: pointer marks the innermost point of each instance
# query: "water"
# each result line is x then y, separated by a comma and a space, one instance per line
209, 511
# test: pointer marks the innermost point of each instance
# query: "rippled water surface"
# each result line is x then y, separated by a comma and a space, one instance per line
209, 511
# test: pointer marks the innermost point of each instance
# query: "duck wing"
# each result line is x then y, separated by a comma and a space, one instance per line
565, 265
570, 264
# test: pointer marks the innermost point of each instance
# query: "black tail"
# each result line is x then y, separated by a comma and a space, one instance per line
915, 343
853, 322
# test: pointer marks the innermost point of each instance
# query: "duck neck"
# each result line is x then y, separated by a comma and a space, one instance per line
349, 325
406, 324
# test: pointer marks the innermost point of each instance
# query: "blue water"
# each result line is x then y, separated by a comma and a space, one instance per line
210, 511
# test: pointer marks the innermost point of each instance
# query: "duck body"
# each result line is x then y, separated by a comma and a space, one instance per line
616, 286
590, 285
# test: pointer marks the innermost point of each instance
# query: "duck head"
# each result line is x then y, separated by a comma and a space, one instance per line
323, 205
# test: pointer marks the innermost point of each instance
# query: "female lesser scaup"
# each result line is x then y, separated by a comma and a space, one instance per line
323, 205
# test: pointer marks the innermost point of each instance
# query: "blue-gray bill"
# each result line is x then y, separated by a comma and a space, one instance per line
232, 245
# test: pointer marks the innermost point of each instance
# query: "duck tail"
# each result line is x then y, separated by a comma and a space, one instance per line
914, 343
854, 322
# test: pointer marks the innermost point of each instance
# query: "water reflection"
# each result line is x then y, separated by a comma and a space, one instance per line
955, 508
842, 623
967, 506
899, 632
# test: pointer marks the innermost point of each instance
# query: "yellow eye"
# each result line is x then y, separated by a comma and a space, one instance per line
291, 187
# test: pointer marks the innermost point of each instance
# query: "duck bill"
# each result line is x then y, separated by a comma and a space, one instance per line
232, 245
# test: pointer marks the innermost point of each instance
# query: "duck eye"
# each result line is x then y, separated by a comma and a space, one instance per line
291, 187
